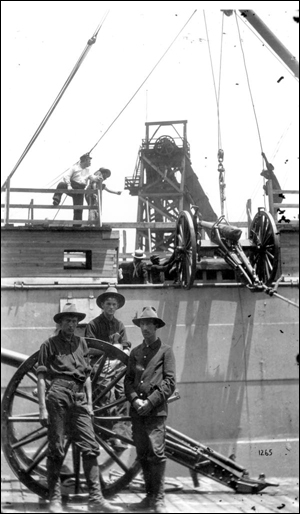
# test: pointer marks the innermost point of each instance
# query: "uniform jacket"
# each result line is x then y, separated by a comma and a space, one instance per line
151, 375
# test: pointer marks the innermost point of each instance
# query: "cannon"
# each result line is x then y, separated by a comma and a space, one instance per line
257, 271
24, 440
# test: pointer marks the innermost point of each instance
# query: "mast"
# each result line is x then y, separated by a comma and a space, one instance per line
270, 38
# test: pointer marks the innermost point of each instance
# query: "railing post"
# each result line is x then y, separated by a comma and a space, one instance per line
30, 212
7, 200
99, 196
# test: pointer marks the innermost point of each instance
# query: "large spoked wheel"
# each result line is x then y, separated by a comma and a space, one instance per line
24, 440
186, 249
165, 146
265, 251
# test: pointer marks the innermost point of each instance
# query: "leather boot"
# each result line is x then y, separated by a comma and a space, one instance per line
97, 502
158, 484
148, 502
54, 484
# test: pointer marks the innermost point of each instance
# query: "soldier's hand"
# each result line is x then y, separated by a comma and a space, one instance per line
44, 418
138, 404
114, 338
145, 408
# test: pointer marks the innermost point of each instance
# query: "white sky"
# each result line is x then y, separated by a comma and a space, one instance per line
42, 41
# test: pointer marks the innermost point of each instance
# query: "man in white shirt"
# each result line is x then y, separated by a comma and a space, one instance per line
77, 177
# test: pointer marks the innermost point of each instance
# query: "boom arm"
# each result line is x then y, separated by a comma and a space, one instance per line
270, 38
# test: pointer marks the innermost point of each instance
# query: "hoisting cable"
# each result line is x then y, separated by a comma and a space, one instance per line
221, 168
248, 82
112, 123
250, 92
90, 42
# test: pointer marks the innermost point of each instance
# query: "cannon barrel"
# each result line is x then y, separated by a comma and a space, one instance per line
228, 231
11, 358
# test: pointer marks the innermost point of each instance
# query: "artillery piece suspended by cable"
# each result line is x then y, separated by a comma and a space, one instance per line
25, 443
258, 271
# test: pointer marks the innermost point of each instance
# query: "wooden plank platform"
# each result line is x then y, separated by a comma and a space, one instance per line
209, 497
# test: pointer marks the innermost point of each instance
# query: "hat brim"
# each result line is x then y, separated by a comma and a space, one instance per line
137, 321
80, 315
119, 297
137, 257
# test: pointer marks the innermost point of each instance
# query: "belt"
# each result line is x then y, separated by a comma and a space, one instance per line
72, 384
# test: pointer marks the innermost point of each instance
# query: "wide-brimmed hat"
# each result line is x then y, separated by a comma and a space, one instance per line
138, 254
105, 171
111, 292
148, 313
69, 309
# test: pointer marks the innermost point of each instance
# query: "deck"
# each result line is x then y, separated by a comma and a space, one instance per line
181, 496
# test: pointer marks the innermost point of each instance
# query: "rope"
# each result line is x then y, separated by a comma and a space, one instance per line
221, 169
90, 42
217, 95
252, 101
149, 74
248, 82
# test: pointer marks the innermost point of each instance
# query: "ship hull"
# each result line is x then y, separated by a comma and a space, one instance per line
236, 360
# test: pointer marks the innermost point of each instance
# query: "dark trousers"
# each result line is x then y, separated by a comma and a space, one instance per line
149, 434
77, 198
69, 416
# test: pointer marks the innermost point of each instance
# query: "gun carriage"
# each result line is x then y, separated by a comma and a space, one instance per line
24, 440
257, 270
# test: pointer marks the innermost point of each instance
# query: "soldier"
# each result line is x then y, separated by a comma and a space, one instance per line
77, 177
67, 409
138, 268
107, 327
149, 382
91, 195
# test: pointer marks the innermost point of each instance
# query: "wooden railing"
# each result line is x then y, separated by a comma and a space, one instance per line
273, 206
32, 207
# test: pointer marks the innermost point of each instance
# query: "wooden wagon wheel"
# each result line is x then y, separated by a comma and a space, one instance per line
186, 249
265, 251
24, 440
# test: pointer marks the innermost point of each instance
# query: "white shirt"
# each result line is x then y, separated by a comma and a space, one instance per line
79, 175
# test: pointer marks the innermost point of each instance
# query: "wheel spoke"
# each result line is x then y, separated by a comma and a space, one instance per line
29, 438
22, 394
36, 461
23, 419
111, 453
100, 363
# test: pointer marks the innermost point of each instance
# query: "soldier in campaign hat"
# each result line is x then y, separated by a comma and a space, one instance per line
107, 327
149, 382
66, 407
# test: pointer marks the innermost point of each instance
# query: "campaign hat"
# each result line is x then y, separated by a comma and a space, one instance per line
111, 292
148, 313
69, 309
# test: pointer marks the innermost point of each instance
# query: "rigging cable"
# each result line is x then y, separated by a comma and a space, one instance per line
112, 123
221, 169
250, 92
90, 42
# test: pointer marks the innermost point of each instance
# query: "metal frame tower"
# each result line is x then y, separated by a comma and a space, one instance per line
159, 182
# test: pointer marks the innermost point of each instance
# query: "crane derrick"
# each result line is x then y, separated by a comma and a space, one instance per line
165, 184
